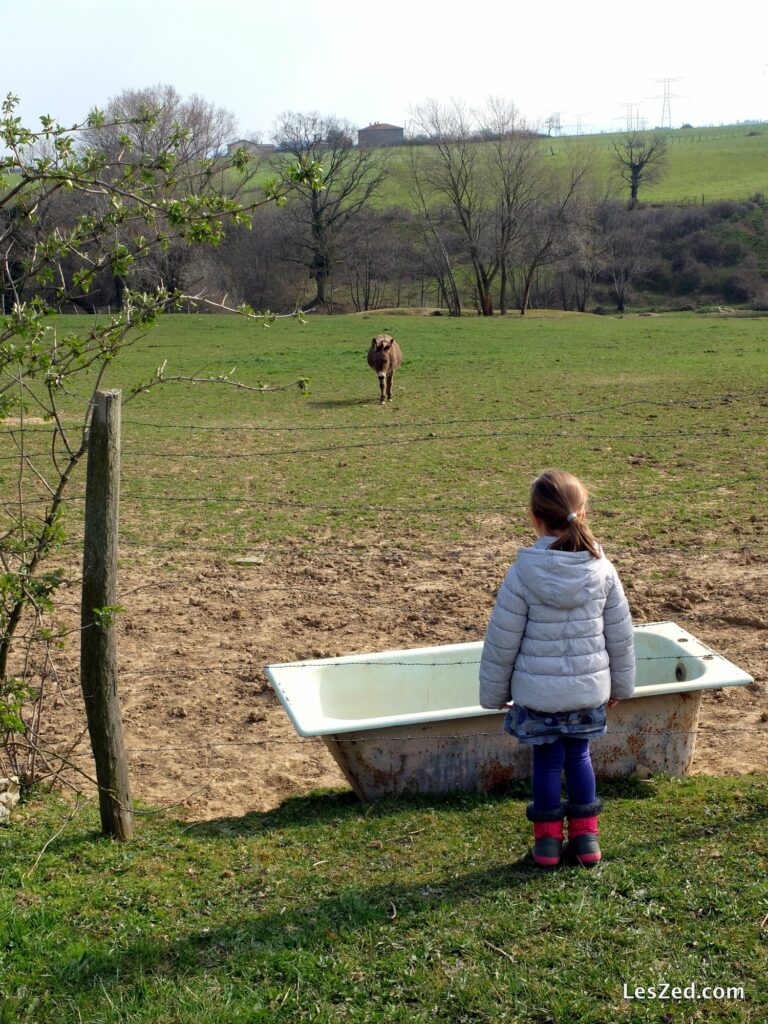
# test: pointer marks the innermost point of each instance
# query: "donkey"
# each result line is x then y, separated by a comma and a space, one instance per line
384, 357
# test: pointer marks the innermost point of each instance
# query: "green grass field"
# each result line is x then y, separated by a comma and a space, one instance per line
664, 417
408, 912
704, 164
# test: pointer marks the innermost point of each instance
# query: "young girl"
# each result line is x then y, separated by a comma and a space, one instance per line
560, 645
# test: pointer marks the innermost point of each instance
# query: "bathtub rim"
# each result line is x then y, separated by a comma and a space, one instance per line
718, 673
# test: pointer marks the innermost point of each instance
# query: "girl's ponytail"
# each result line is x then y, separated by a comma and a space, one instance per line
559, 500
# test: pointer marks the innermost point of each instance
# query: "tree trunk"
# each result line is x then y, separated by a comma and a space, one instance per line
526, 293
321, 283
483, 286
503, 289
454, 299
634, 187
447, 293
320, 274
121, 287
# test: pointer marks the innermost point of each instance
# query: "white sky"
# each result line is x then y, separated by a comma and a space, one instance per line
371, 61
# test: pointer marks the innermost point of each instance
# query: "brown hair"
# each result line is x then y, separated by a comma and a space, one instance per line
554, 496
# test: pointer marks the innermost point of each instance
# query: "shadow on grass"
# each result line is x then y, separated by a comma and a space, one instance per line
317, 925
327, 806
343, 403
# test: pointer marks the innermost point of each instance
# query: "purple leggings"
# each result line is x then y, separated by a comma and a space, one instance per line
549, 759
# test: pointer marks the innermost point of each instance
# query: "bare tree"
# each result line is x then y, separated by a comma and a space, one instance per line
515, 176
587, 256
351, 178
546, 236
627, 238
374, 257
486, 166
451, 171
250, 266
640, 160
433, 235
185, 142
157, 124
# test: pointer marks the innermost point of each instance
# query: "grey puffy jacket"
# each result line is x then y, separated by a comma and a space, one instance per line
560, 637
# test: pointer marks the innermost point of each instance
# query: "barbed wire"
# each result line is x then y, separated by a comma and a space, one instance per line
194, 674
137, 453
324, 587
161, 671
389, 552
237, 571
432, 438
351, 738
596, 500
378, 555
506, 506
701, 402
46, 641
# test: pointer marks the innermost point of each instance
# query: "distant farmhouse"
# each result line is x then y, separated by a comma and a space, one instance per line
255, 148
379, 135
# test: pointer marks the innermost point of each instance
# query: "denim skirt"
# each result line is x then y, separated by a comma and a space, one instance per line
536, 727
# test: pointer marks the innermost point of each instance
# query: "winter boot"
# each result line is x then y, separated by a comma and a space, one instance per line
548, 835
583, 846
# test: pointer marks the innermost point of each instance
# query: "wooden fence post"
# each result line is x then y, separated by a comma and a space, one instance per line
98, 642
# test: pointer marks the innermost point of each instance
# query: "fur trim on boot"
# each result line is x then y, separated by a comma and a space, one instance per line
584, 810
550, 814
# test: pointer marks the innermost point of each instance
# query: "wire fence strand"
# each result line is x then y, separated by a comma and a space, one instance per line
701, 402
421, 737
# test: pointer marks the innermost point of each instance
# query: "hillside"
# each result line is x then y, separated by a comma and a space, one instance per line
713, 163
730, 162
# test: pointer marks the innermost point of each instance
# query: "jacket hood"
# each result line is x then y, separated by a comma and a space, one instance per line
562, 579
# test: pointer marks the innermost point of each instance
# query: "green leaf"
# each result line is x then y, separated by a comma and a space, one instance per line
105, 617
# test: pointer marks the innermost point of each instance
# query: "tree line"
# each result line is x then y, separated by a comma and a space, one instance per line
488, 221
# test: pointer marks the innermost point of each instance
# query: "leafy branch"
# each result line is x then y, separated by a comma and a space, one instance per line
90, 212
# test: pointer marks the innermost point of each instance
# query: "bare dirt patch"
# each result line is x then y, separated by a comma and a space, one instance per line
204, 729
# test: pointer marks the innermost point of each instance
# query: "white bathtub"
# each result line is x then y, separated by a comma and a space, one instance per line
408, 721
